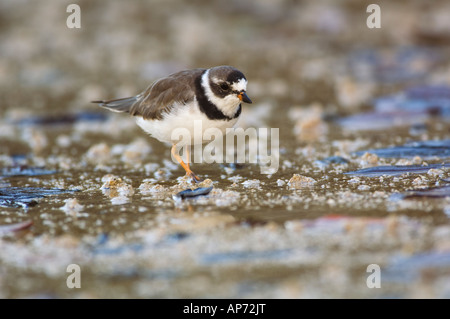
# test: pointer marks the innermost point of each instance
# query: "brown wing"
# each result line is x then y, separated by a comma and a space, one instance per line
164, 93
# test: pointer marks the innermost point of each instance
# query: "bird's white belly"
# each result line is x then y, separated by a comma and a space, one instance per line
184, 120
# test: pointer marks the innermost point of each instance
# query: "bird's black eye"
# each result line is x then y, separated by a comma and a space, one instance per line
224, 86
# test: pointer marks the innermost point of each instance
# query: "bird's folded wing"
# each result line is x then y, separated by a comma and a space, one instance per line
161, 96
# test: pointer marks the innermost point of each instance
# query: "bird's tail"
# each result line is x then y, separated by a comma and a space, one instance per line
118, 105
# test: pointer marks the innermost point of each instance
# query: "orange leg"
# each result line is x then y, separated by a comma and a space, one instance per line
190, 173
188, 157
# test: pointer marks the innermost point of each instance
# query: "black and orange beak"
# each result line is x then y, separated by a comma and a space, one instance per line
244, 97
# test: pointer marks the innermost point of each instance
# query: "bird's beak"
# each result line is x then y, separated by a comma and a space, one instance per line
244, 97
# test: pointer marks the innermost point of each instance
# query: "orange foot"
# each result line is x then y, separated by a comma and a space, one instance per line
195, 178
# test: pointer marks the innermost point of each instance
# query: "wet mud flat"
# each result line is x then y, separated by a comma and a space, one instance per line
363, 176
308, 230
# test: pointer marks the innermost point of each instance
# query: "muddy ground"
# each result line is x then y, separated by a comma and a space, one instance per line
364, 146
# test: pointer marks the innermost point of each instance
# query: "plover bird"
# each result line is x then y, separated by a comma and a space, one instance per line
180, 100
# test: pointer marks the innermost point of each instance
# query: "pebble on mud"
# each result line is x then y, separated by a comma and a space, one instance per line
280, 182
36, 139
345, 147
369, 160
299, 181
309, 125
72, 207
363, 187
416, 160
420, 181
149, 188
63, 141
114, 186
435, 172
252, 183
134, 152
223, 198
185, 182
120, 200
98, 153
351, 93
162, 174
